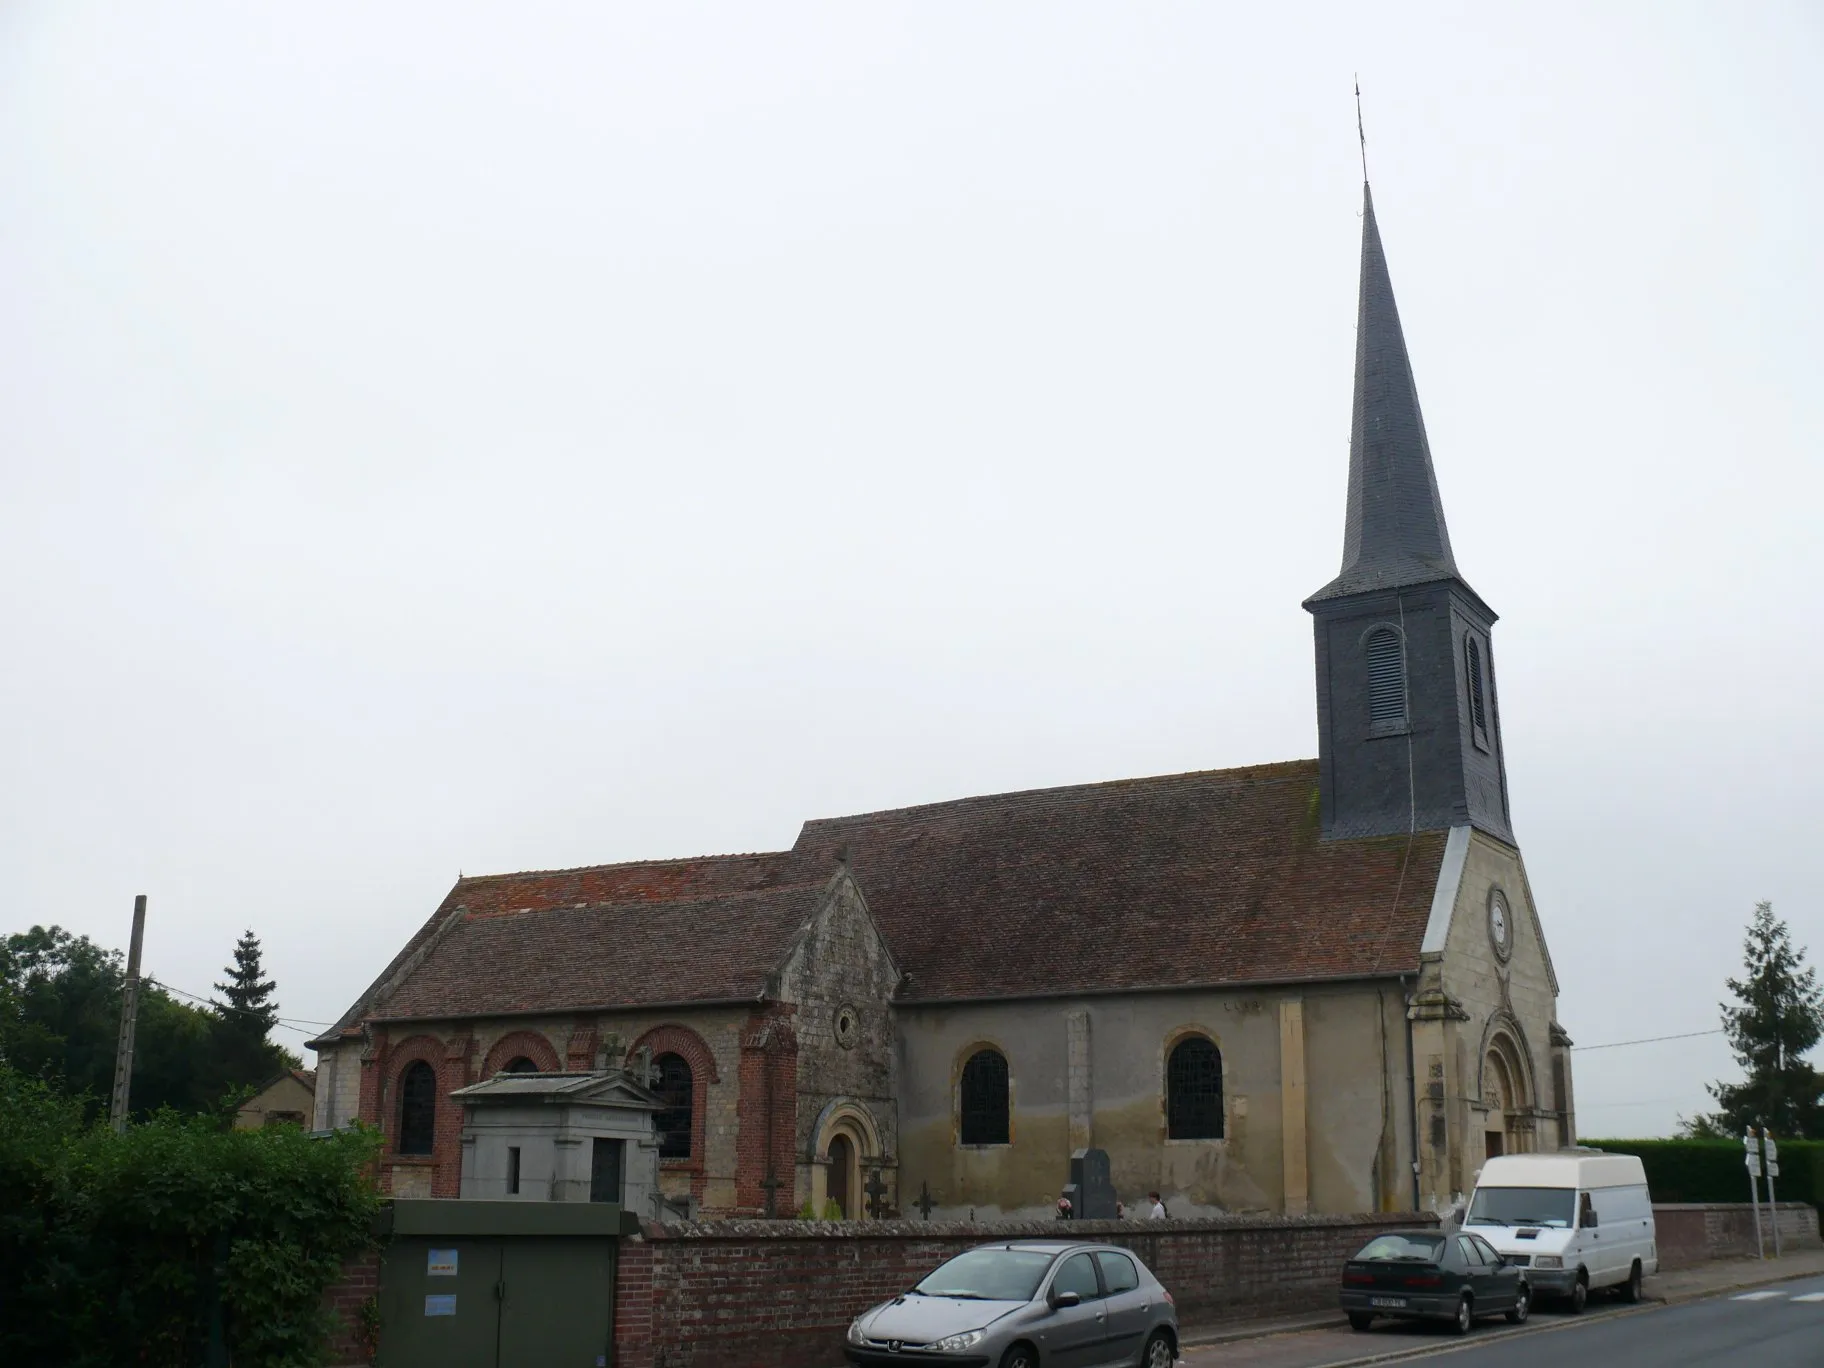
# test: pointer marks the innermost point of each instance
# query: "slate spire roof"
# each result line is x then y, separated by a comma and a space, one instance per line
1394, 533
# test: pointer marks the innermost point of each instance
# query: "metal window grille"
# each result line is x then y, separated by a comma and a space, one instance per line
1193, 1091
1386, 677
1477, 711
672, 1120
418, 1109
984, 1099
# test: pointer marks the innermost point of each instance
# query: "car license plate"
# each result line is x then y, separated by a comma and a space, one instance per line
1392, 1302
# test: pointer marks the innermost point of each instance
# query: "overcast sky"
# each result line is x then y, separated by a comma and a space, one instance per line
446, 437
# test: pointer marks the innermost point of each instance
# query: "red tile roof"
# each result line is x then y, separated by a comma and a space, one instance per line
1217, 877
604, 955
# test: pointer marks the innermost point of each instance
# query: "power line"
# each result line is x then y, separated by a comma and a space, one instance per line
294, 1023
1649, 1040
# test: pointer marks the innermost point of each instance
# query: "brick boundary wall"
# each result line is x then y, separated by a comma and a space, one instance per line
342, 1300
780, 1294
1693, 1233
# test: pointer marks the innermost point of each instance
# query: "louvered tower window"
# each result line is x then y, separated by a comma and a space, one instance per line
1478, 710
982, 1104
1386, 677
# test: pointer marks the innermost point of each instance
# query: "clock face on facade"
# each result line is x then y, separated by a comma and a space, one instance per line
1500, 924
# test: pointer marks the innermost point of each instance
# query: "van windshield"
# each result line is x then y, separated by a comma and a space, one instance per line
1551, 1207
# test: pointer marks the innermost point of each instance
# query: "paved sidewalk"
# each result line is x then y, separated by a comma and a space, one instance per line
1322, 1338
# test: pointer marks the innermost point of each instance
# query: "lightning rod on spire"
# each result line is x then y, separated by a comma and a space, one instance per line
1361, 136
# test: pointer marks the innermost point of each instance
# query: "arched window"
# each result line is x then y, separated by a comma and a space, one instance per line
521, 1065
1478, 710
984, 1099
417, 1109
673, 1119
1193, 1091
1386, 677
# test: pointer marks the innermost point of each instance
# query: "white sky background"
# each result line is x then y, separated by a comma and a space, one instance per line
490, 437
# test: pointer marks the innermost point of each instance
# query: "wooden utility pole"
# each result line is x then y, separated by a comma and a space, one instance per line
129, 1013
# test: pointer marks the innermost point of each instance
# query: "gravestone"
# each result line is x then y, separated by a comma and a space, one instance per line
1092, 1193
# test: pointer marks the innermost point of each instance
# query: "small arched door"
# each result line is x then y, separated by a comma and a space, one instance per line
842, 1160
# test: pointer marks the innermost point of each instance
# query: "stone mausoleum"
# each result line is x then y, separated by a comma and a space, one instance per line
1321, 985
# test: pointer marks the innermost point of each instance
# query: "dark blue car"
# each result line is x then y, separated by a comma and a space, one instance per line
1426, 1275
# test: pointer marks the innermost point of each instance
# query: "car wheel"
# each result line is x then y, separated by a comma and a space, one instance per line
1580, 1294
1465, 1316
1020, 1356
1523, 1305
1360, 1320
1159, 1352
1630, 1290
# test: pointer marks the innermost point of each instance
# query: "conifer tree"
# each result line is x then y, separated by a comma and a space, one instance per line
1778, 1016
249, 1009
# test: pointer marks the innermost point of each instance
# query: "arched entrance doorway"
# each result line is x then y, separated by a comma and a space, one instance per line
845, 1155
842, 1173
1508, 1126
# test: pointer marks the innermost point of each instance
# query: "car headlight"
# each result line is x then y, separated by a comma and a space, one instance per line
955, 1344
855, 1335
1548, 1261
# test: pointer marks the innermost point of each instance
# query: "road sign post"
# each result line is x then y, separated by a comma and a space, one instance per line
1754, 1189
1772, 1165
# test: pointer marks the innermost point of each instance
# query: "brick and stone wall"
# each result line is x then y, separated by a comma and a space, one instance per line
1697, 1232
780, 1294
344, 1300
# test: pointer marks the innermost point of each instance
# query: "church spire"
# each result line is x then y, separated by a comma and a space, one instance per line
1394, 533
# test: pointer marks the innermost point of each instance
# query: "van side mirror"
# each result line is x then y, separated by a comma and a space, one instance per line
1060, 1300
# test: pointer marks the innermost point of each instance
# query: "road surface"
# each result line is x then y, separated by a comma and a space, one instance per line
1781, 1326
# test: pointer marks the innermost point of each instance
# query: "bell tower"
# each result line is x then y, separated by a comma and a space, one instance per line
1409, 724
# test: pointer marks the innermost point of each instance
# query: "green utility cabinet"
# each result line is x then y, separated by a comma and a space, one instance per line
499, 1284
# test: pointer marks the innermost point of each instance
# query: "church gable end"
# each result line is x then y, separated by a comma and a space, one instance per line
840, 976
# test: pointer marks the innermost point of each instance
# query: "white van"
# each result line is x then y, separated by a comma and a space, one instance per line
1577, 1220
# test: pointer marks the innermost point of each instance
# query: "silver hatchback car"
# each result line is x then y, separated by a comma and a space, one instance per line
1025, 1304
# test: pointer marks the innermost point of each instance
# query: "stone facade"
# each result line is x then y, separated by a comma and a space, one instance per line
841, 978
1494, 1063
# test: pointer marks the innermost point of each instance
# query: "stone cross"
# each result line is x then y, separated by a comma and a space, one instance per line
925, 1201
772, 1186
876, 1191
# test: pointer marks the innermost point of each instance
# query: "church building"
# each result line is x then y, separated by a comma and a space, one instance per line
1314, 986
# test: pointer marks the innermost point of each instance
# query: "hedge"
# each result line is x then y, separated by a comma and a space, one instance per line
140, 1248
1715, 1170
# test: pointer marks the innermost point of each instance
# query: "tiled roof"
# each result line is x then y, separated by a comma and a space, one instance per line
1181, 880
1208, 878
542, 890
603, 955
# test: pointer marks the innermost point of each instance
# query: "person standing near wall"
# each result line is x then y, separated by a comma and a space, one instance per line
1158, 1211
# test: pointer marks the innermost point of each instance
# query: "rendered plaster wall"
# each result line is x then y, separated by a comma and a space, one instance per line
1113, 1095
555, 1145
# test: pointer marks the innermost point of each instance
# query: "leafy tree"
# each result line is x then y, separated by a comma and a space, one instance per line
1778, 1016
60, 1001
114, 1249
